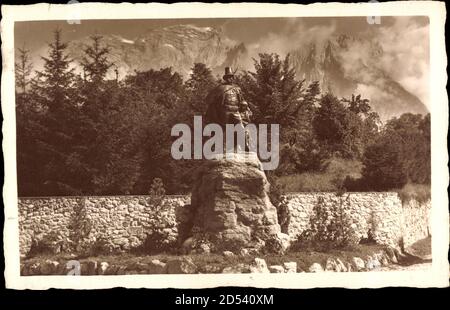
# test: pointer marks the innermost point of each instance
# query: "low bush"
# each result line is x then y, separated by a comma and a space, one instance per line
418, 192
330, 227
157, 242
51, 243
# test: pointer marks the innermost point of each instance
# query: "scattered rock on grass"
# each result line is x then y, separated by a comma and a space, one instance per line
276, 269
228, 254
259, 266
31, 269
102, 268
341, 266
330, 265
157, 267
316, 267
240, 268
290, 267
349, 267
49, 267
372, 263
121, 270
112, 270
244, 252
358, 263
335, 265
181, 266
203, 249
210, 269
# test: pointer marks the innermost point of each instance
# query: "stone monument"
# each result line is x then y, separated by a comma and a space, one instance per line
232, 208
230, 205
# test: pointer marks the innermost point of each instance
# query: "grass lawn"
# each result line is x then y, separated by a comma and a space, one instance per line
324, 181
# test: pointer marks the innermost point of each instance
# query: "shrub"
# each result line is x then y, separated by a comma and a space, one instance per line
80, 228
418, 192
354, 184
301, 157
158, 242
157, 192
100, 246
51, 243
202, 242
330, 227
383, 167
157, 188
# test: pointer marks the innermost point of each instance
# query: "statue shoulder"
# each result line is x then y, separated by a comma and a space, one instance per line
220, 89
230, 87
225, 87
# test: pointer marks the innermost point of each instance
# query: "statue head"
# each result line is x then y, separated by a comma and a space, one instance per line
229, 75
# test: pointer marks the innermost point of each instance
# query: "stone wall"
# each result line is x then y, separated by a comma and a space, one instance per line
119, 222
379, 215
415, 221
123, 222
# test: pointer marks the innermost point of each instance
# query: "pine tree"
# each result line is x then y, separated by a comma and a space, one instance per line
27, 129
275, 95
57, 78
95, 90
58, 122
345, 127
23, 69
107, 126
199, 84
95, 62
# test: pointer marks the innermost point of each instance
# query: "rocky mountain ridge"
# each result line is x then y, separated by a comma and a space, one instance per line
342, 64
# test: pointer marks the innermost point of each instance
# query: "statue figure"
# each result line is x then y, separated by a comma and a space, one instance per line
226, 105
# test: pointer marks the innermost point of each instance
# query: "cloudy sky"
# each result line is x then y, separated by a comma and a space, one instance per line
405, 40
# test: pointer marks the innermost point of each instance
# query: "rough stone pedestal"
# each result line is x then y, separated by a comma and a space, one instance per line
232, 208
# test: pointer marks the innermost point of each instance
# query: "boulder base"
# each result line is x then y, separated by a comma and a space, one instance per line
231, 206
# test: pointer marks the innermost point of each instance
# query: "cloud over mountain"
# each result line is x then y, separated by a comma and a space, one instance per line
386, 63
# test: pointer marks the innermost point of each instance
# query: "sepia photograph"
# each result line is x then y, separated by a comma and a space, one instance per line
228, 146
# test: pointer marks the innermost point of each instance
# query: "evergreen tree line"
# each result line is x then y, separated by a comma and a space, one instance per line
80, 134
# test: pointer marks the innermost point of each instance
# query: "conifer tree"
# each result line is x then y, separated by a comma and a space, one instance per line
95, 62
57, 78
199, 84
23, 69
58, 103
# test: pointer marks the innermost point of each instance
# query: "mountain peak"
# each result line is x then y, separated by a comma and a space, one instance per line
343, 64
176, 46
183, 32
346, 65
